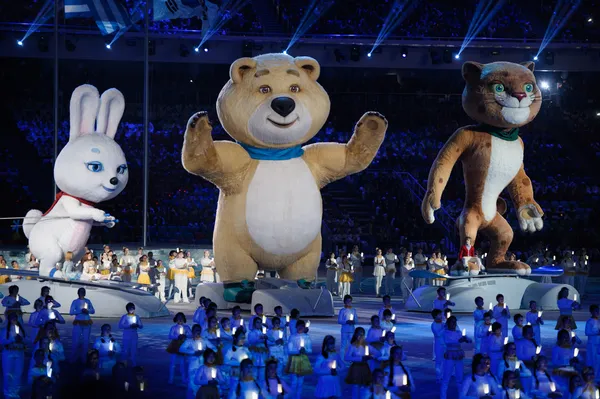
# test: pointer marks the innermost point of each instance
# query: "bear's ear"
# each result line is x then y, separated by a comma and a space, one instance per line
529, 65
471, 71
240, 67
309, 65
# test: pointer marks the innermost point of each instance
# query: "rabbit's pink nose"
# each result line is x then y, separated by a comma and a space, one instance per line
114, 181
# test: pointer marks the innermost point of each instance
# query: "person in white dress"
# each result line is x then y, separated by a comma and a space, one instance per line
357, 259
207, 374
273, 387
420, 264
327, 367
207, 275
379, 266
246, 387
391, 266
180, 272
407, 280
127, 263
569, 267
378, 390
332, 270
481, 381
400, 380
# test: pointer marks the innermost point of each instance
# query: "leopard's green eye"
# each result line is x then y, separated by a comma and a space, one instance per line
498, 88
528, 88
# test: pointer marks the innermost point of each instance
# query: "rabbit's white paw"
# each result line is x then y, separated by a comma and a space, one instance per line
99, 215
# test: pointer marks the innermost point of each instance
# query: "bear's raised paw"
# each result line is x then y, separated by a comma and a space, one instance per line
372, 121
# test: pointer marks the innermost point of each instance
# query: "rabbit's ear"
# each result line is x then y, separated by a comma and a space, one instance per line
112, 106
84, 108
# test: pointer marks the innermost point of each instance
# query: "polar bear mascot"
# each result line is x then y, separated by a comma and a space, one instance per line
90, 169
270, 208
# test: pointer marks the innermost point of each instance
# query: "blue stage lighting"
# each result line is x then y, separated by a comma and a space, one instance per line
369, 55
20, 42
535, 58
108, 46
285, 52
196, 49
206, 49
457, 56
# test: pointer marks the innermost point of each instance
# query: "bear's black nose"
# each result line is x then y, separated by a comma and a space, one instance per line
283, 106
114, 181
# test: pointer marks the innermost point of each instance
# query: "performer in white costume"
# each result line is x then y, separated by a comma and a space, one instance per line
391, 266
357, 259
420, 264
207, 275
180, 272
90, 169
332, 270
407, 281
378, 270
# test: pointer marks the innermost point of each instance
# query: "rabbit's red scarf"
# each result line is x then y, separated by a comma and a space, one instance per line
60, 194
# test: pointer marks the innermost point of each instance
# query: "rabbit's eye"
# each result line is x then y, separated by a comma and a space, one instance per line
122, 169
95, 166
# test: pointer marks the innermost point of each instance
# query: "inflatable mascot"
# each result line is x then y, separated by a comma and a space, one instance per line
501, 97
270, 208
90, 169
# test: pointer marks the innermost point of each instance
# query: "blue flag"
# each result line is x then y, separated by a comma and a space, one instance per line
110, 16
173, 9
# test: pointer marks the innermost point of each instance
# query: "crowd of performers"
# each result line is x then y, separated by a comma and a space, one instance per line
174, 279
267, 357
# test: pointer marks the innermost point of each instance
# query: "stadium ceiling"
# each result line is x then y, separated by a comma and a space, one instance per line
343, 51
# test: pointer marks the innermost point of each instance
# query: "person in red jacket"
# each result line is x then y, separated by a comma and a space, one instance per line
467, 254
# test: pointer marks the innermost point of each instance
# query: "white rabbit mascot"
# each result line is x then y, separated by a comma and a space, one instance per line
90, 169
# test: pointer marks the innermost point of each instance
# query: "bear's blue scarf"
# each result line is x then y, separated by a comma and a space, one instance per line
273, 154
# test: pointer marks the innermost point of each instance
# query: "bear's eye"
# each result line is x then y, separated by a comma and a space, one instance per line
295, 89
264, 89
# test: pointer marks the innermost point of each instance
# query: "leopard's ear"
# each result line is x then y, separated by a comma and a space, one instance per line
471, 71
529, 65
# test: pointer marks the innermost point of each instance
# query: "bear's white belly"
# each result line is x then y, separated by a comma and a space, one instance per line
505, 161
283, 207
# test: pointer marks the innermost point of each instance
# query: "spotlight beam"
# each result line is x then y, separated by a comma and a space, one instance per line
484, 12
400, 10
226, 10
562, 12
313, 12
45, 13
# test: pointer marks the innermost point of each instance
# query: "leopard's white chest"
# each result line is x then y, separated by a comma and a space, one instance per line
283, 206
505, 161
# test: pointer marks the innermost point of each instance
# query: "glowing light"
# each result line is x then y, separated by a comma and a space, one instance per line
369, 55
108, 46
285, 52
206, 49
544, 85
334, 365
536, 58
403, 55
20, 42
196, 49
457, 56
464, 332
590, 20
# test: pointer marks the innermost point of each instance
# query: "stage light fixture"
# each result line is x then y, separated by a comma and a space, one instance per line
590, 20
43, 44
355, 53
436, 59
285, 52
108, 46
535, 58
20, 43
196, 49
597, 113
183, 50
447, 56
457, 56
545, 85
70, 46
339, 57
205, 49
404, 52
